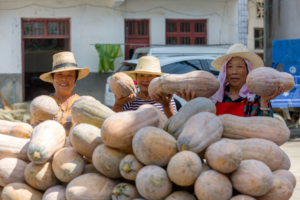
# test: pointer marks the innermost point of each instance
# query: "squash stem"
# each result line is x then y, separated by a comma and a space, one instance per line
36, 155
126, 167
184, 147
116, 191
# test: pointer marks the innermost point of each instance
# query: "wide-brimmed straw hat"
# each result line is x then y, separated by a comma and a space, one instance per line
239, 50
146, 65
64, 61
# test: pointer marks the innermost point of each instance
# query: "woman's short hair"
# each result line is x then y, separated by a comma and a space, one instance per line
76, 75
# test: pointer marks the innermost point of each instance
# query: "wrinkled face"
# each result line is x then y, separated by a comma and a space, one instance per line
144, 80
64, 82
236, 72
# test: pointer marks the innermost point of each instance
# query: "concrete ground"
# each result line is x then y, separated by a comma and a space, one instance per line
292, 149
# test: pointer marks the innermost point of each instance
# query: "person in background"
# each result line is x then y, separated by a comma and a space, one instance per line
147, 69
63, 76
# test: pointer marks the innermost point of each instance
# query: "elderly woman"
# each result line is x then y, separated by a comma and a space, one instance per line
147, 69
233, 96
63, 76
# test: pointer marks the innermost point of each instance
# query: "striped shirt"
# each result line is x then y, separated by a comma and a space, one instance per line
134, 105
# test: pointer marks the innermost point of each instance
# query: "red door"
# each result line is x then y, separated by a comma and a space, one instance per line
136, 35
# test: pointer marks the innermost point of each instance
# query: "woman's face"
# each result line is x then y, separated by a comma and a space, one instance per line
236, 72
64, 82
144, 80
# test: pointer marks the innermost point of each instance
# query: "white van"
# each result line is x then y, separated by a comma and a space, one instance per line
179, 51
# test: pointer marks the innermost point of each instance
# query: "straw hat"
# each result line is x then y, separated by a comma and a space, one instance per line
64, 61
239, 50
146, 65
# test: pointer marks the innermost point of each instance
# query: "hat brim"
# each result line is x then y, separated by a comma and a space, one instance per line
82, 72
255, 59
132, 74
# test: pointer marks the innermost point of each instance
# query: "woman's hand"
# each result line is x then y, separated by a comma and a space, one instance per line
264, 101
163, 99
123, 100
188, 96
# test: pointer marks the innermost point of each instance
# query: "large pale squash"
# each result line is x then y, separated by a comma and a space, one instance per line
67, 164
107, 160
46, 139
91, 186
129, 167
153, 146
286, 162
16, 129
203, 83
263, 150
255, 127
253, 178
122, 85
200, 131
20, 191
224, 156
263, 81
162, 117
118, 130
184, 168
213, 185
13, 147
282, 189
242, 197
12, 170
85, 138
125, 191
40, 176
180, 195
57, 192
287, 174
153, 183
175, 124
43, 108
90, 112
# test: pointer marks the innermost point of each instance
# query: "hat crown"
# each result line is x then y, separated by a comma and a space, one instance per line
237, 48
62, 58
148, 64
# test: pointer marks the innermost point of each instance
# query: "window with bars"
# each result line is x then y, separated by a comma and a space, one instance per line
186, 32
136, 28
260, 10
259, 38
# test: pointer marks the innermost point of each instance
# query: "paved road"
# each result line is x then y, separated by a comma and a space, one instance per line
292, 149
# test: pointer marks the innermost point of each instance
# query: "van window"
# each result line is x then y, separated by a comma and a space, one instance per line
127, 68
211, 68
179, 67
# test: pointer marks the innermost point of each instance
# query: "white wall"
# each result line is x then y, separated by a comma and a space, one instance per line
91, 24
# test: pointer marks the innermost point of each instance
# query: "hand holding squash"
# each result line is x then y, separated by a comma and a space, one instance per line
188, 96
279, 90
163, 99
123, 100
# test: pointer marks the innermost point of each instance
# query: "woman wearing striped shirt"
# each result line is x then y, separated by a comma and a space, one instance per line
147, 69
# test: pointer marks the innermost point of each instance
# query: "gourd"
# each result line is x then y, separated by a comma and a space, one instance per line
90, 186
162, 117
107, 160
122, 85
282, 189
85, 138
153, 146
57, 192
175, 124
255, 127
12, 170
129, 167
67, 164
184, 168
14, 191
46, 139
13, 147
263, 150
90, 112
200, 131
224, 156
286, 162
118, 135
263, 81
213, 185
287, 174
125, 191
203, 83
242, 197
16, 129
180, 195
40, 177
43, 108
153, 183
252, 178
